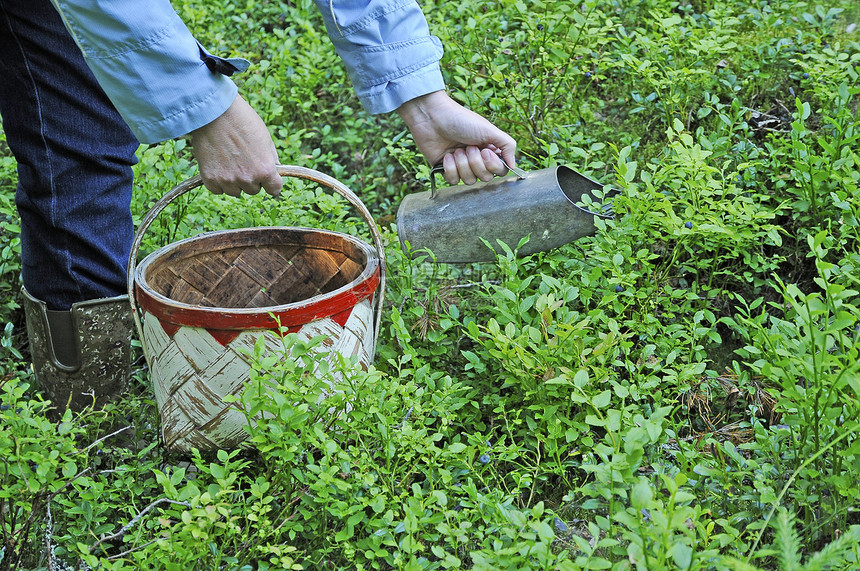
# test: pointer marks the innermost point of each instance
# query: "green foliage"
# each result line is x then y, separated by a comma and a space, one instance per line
809, 346
38, 465
10, 243
787, 549
679, 390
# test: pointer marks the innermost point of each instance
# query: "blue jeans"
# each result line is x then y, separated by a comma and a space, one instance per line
74, 154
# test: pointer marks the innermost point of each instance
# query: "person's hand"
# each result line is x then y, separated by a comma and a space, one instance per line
467, 145
236, 153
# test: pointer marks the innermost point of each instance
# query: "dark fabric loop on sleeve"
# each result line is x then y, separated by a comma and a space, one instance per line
223, 66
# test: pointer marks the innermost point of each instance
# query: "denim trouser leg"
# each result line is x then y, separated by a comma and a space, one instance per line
74, 155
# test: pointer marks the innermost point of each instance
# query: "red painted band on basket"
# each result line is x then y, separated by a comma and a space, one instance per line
289, 315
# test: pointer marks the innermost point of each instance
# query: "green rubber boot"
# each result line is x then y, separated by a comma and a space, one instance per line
81, 357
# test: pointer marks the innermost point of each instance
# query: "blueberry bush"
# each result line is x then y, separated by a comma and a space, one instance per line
680, 390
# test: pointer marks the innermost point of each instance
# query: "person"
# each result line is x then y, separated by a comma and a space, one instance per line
86, 82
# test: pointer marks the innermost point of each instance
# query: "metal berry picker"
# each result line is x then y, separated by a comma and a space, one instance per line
453, 222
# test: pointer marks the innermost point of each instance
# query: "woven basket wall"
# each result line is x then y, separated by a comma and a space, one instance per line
207, 300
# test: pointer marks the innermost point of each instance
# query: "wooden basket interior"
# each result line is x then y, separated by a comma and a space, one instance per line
256, 267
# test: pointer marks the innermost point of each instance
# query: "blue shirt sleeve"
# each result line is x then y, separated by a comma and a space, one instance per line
165, 84
151, 67
387, 48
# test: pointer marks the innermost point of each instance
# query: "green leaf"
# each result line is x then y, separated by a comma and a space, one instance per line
602, 400
456, 447
682, 554
345, 534
580, 379
641, 494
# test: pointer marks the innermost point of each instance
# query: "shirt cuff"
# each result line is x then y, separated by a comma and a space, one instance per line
392, 94
387, 48
386, 76
151, 68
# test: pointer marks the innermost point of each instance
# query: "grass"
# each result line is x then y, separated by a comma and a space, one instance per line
679, 390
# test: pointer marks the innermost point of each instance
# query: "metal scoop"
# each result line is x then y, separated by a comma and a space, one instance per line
541, 204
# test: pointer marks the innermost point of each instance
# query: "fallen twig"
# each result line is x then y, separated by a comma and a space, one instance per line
103, 438
133, 549
136, 519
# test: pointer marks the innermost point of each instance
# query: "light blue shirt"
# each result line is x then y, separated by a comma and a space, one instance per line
159, 77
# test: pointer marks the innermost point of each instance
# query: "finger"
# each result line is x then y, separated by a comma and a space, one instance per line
449, 166
272, 183
477, 164
464, 171
223, 181
236, 182
239, 183
493, 163
212, 184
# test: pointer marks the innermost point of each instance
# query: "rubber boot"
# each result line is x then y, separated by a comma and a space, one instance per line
81, 357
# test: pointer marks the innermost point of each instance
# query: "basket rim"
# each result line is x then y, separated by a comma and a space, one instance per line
269, 317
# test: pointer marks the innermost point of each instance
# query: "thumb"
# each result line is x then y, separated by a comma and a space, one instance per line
505, 146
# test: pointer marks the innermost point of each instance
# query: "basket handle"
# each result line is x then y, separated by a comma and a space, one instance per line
283, 170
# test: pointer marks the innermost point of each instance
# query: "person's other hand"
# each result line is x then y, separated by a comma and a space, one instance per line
467, 145
236, 153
